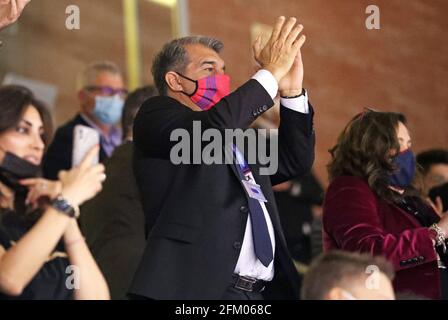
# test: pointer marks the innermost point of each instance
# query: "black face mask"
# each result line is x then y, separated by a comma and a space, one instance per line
13, 169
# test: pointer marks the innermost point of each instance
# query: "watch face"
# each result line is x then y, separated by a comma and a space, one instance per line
64, 207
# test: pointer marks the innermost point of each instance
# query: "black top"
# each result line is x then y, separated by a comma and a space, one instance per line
114, 223
50, 282
295, 208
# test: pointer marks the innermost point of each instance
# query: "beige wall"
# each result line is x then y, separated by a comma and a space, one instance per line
40, 47
402, 67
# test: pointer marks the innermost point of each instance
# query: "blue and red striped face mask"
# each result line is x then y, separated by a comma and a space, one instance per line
209, 90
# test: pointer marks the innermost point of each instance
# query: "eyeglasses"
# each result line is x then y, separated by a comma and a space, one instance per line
107, 91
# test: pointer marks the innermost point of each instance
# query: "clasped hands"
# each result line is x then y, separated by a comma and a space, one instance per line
282, 55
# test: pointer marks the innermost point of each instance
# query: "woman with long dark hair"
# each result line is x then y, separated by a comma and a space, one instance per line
371, 205
42, 252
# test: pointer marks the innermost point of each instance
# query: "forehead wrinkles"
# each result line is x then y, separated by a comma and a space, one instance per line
200, 54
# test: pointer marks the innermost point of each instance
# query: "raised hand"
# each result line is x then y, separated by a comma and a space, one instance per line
292, 83
281, 50
84, 181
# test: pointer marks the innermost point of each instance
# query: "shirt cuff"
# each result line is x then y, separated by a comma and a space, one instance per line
267, 80
299, 104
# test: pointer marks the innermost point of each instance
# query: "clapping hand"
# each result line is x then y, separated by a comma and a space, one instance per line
282, 52
10, 11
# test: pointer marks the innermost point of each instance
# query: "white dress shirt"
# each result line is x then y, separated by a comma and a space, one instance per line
248, 263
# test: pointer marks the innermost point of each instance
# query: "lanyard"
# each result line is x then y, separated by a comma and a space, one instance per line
241, 162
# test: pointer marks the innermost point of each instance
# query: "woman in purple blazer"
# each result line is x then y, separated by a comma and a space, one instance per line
370, 205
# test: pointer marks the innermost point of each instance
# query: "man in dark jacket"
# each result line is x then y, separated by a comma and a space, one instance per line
101, 105
113, 222
213, 227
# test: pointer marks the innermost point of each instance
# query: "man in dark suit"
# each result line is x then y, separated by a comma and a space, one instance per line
211, 232
101, 100
113, 222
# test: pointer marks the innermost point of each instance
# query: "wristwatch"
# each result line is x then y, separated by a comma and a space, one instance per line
292, 97
63, 206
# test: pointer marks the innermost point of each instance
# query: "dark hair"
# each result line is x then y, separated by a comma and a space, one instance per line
173, 57
363, 150
428, 158
133, 102
339, 268
14, 100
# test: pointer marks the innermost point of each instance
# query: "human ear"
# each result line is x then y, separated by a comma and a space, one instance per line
173, 81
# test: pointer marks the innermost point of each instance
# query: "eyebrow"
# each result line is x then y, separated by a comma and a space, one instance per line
208, 62
403, 140
28, 123
212, 63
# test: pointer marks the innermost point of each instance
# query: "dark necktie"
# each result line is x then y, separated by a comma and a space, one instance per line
260, 233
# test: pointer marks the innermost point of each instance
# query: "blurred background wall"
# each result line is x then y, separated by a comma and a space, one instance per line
401, 67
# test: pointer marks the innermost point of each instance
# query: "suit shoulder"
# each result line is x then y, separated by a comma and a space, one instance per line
159, 102
158, 110
349, 185
256, 91
67, 128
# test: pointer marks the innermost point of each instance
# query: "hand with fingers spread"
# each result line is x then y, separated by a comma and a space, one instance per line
282, 48
10, 11
39, 189
83, 182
